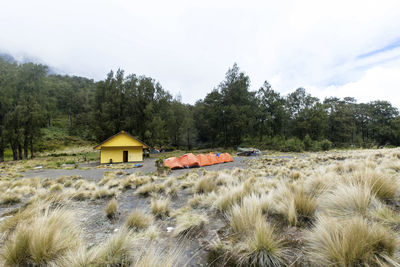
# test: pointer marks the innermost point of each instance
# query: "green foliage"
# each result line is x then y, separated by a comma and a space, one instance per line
294, 145
308, 143
325, 145
46, 112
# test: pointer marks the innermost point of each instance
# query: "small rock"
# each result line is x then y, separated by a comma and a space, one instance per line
170, 229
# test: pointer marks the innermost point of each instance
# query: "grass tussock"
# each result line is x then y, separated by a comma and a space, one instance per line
232, 195
386, 216
103, 193
81, 195
56, 188
117, 250
384, 187
141, 180
351, 242
189, 223
147, 189
348, 200
160, 207
24, 214
42, 242
10, 198
343, 206
111, 208
153, 257
243, 218
205, 185
138, 220
262, 248
293, 203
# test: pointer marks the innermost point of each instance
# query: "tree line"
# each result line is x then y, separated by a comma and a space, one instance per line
230, 115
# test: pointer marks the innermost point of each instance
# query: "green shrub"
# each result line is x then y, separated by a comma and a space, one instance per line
293, 145
308, 143
325, 145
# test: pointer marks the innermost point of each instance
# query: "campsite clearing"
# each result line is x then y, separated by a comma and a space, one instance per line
271, 208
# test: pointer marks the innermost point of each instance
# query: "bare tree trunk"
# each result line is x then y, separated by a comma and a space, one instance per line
19, 151
25, 147
1, 147
14, 150
189, 145
69, 120
1, 150
31, 143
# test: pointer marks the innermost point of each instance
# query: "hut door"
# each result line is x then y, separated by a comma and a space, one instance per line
125, 158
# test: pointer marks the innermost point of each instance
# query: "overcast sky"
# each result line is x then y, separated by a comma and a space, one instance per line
331, 48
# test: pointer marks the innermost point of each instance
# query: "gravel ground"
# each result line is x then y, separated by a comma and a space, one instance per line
96, 174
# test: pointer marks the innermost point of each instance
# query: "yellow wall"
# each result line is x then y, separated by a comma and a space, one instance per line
116, 154
122, 140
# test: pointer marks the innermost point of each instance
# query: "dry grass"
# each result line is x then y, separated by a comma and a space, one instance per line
348, 200
262, 248
79, 258
153, 257
232, 195
117, 250
351, 242
111, 208
243, 218
189, 223
146, 189
10, 198
103, 193
138, 220
81, 195
160, 207
386, 216
383, 186
56, 188
205, 185
343, 206
141, 180
293, 203
23, 214
44, 241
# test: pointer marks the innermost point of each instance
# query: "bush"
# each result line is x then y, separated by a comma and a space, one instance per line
308, 143
325, 145
293, 145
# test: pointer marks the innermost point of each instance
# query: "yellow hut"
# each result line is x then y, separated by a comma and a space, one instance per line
121, 147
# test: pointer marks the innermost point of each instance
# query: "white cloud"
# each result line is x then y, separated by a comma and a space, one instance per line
189, 45
378, 83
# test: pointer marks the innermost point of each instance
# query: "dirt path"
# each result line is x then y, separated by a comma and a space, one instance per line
96, 174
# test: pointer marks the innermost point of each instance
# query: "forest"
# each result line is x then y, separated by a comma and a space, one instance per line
33, 99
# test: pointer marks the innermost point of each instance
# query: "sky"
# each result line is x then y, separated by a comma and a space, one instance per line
331, 48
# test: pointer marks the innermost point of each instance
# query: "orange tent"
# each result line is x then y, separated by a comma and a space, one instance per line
226, 157
203, 160
189, 160
173, 163
220, 158
212, 158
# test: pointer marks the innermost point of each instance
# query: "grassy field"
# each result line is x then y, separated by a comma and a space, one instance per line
338, 208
